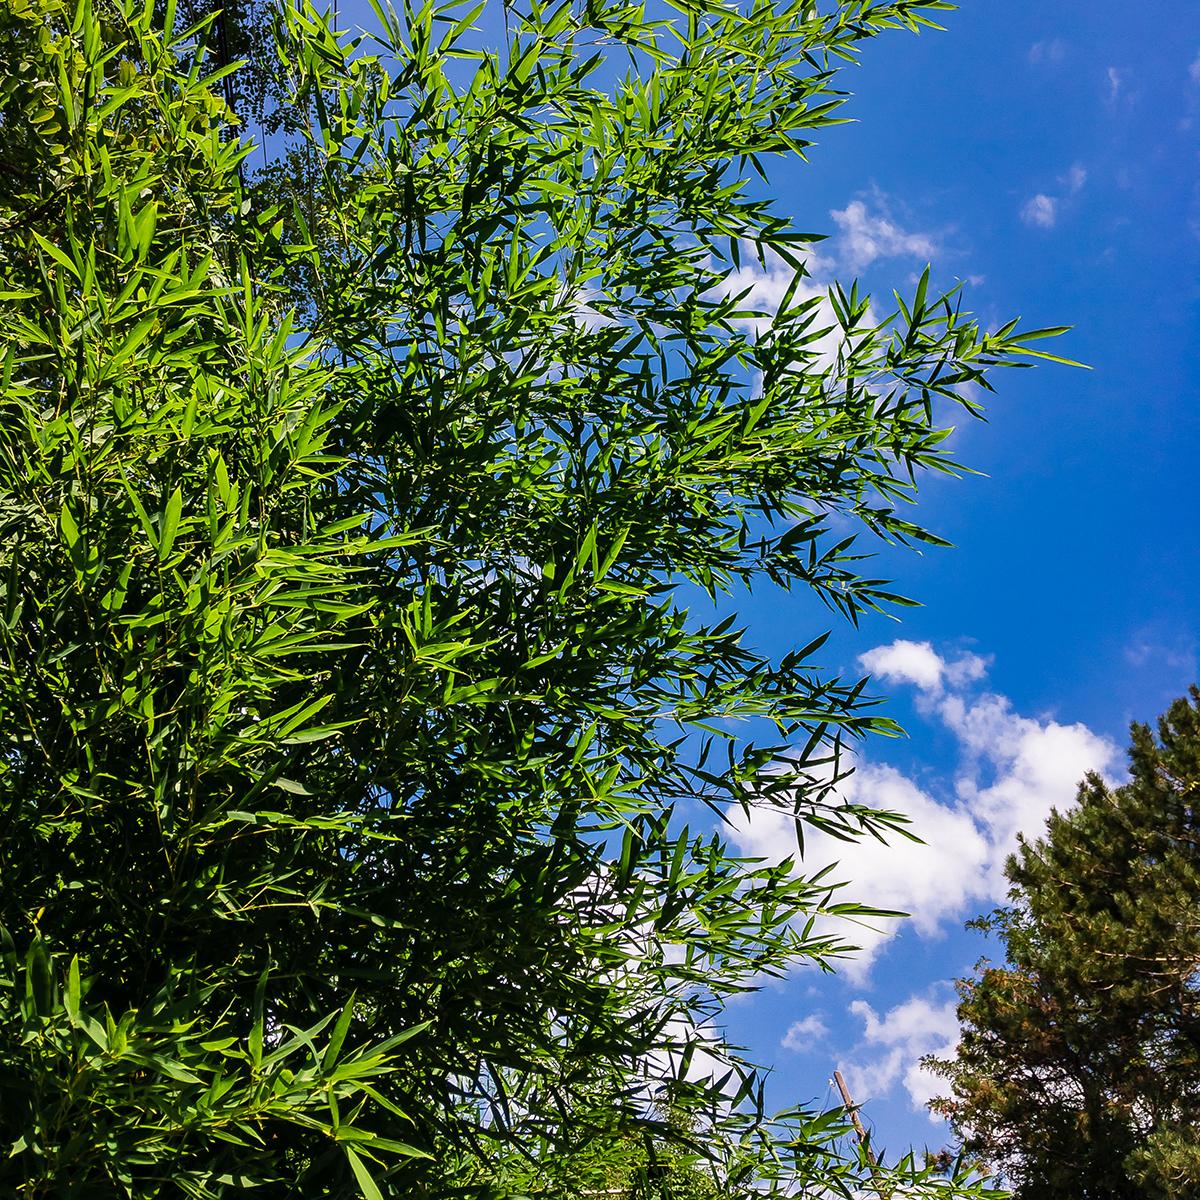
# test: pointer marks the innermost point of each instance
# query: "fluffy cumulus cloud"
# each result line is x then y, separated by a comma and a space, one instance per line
906, 662
917, 663
934, 879
894, 1044
762, 285
694, 1053
866, 233
1013, 769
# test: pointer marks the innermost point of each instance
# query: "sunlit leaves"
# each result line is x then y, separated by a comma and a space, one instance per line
362, 750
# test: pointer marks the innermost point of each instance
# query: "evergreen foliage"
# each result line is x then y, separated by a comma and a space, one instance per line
351, 703
1079, 1068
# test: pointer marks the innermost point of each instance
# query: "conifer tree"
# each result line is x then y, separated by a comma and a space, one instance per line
1078, 1072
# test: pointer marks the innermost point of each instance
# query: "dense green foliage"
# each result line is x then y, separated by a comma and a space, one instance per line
352, 709
1079, 1068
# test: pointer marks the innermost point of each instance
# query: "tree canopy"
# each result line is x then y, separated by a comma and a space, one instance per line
353, 704
1078, 1072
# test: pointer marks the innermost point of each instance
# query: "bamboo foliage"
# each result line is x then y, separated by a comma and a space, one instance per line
352, 705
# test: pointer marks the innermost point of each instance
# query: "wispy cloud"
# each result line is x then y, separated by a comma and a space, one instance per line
1194, 69
1040, 210
1043, 209
1161, 648
1075, 178
865, 236
802, 1034
1117, 81
1051, 50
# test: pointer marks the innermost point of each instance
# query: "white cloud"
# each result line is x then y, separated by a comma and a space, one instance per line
1117, 79
801, 1034
1051, 50
1013, 770
919, 664
966, 668
692, 1051
866, 233
1040, 210
763, 285
866, 236
893, 1045
934, 880
906, 662
1194, 70
1034, 766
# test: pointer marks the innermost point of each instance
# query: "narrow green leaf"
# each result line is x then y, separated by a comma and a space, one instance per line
169, 525
366, 1185
71, 996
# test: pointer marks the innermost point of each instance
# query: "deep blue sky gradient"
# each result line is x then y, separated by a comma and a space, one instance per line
1076, 569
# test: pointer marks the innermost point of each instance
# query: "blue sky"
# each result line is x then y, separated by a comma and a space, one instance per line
1047, 155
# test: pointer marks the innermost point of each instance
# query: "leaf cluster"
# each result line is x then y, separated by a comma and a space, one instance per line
352, 705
